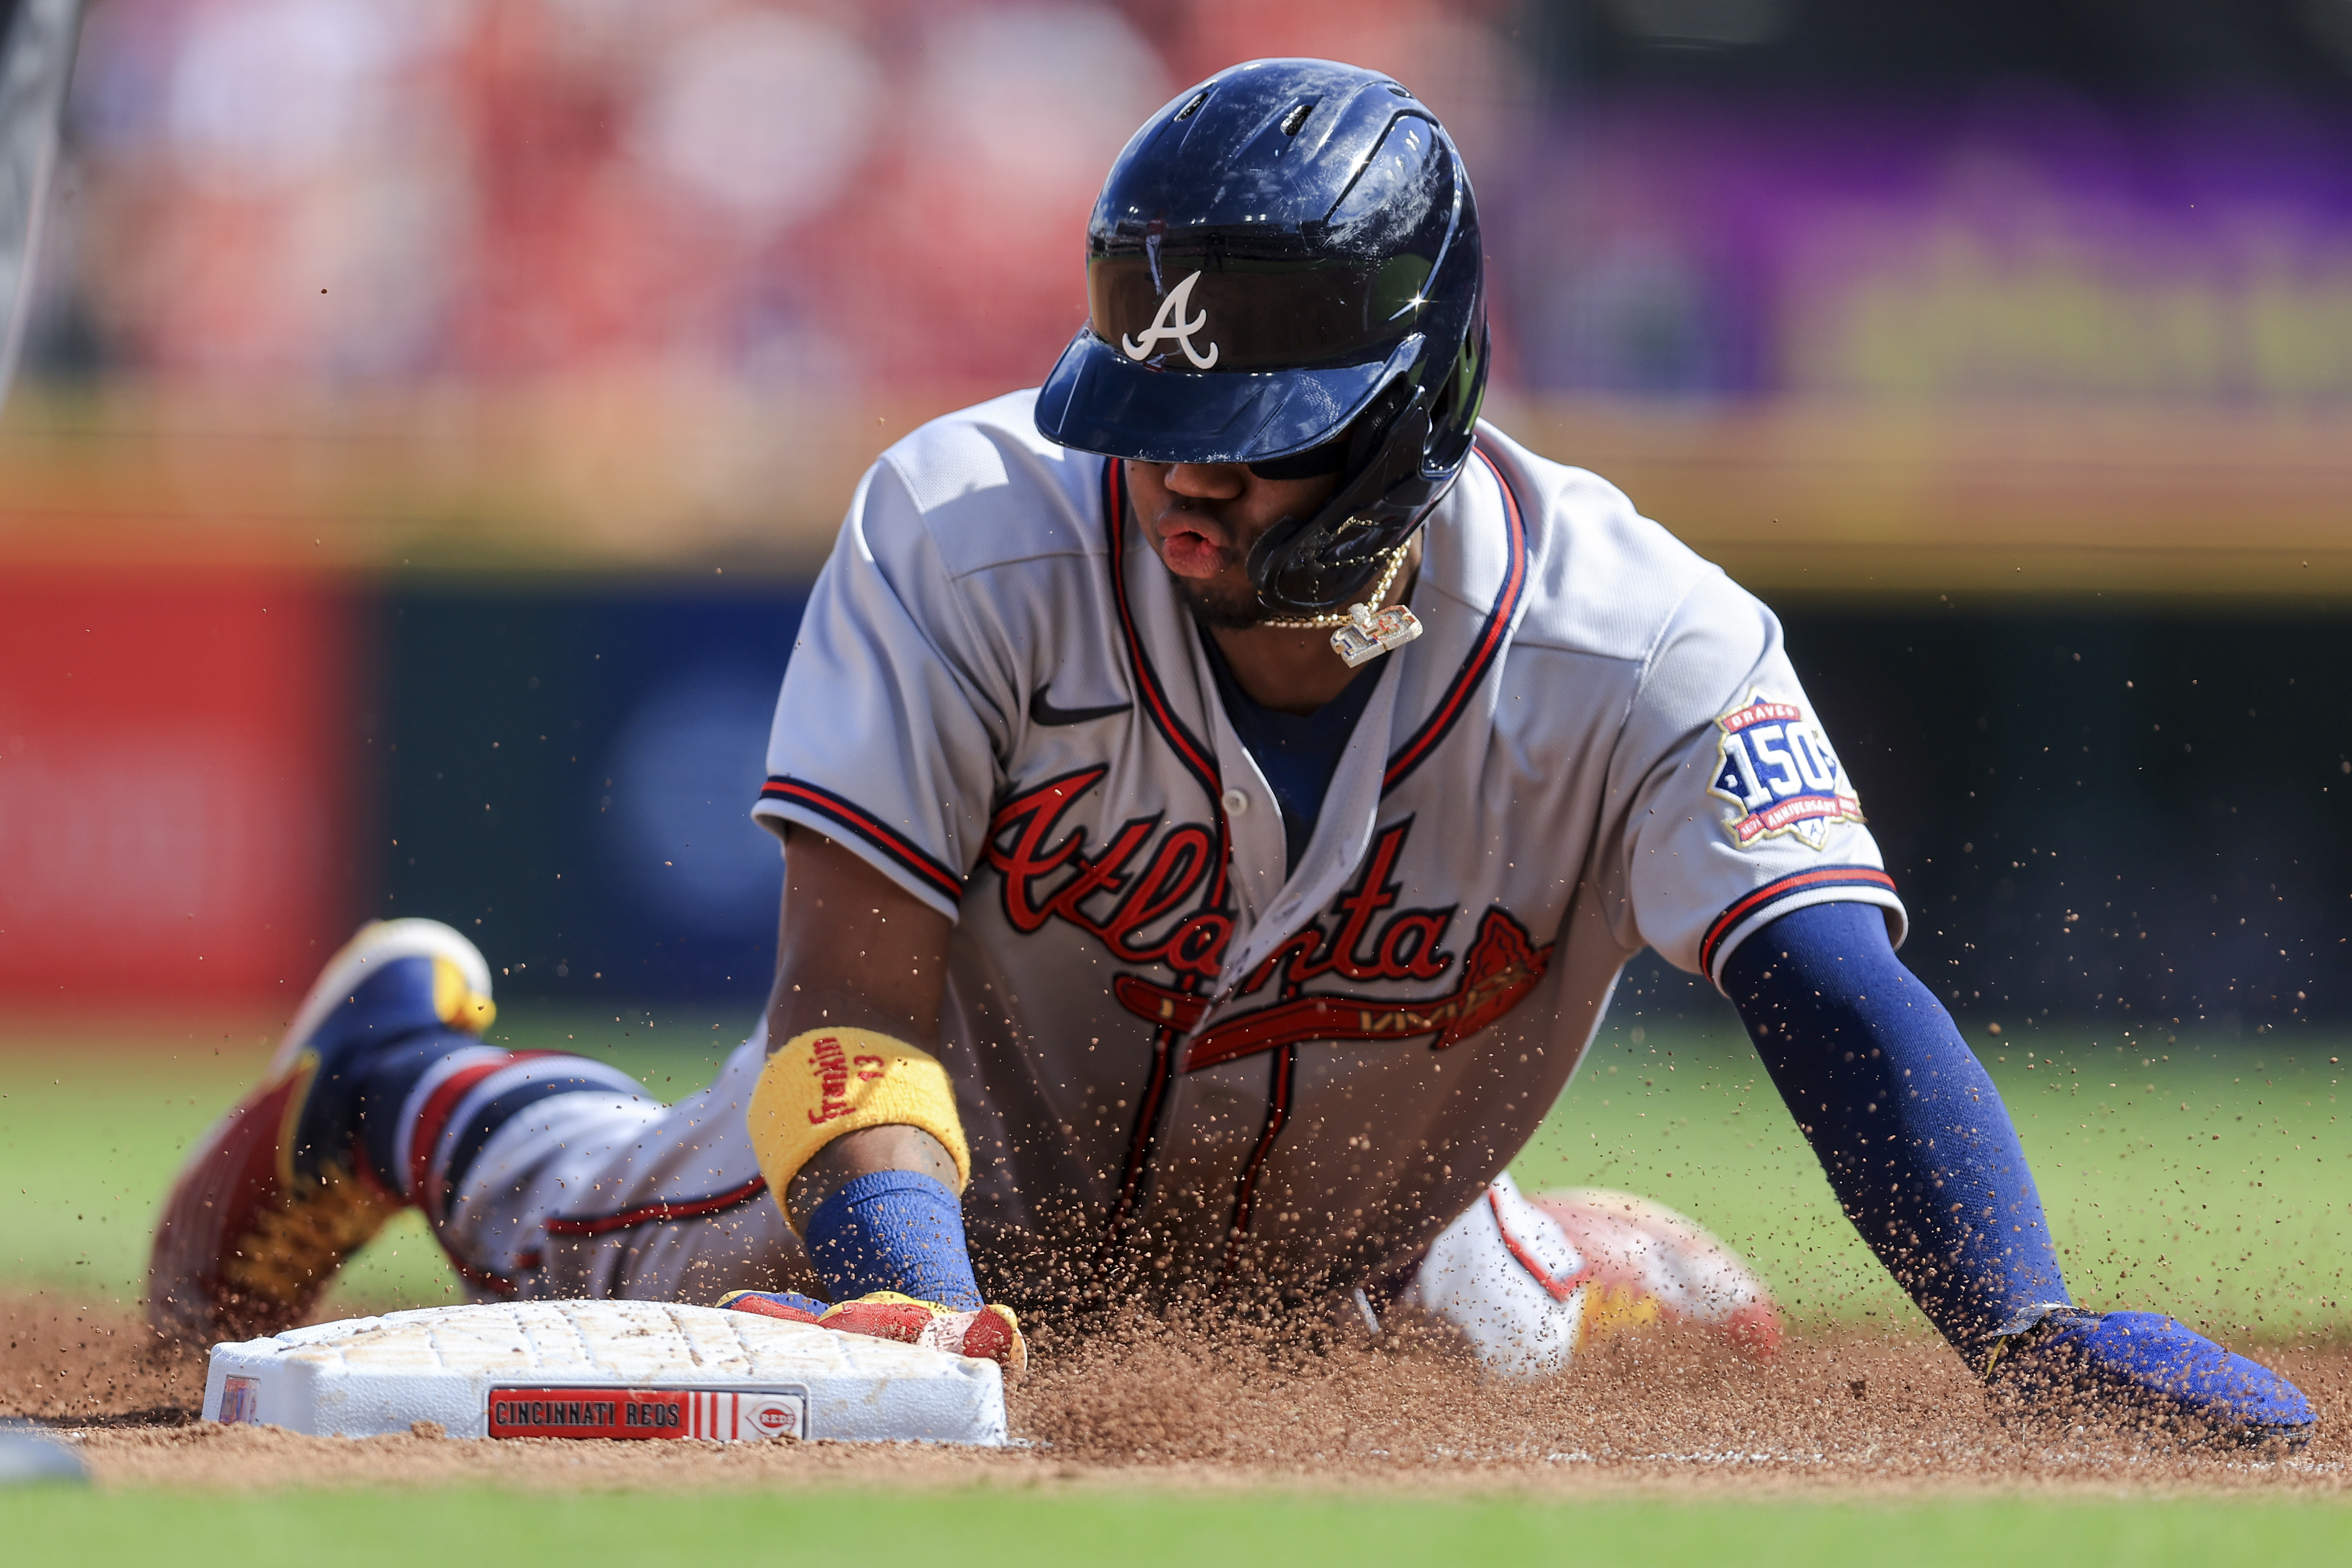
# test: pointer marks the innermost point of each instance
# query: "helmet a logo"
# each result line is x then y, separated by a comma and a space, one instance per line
1171, 323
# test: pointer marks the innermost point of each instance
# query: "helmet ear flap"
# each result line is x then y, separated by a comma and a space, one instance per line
1317, 564
1466, 384
1371, 431
1406, 439
1277, 554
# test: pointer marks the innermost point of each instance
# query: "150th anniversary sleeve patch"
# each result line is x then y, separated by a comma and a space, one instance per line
1776, 767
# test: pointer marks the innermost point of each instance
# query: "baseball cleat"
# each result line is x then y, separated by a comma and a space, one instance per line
1646, 1264
2059, 1360
277, 1194
991, 1333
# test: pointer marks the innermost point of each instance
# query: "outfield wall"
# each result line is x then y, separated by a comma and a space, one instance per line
185, 803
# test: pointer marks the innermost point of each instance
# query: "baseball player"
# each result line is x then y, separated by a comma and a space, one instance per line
1219, 792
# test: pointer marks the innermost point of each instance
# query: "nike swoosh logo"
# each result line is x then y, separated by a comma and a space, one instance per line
1043, 713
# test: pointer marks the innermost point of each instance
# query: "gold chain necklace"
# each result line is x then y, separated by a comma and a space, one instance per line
1367, 630
1339, 618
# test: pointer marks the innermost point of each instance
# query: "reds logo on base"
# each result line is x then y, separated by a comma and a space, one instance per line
774, 1418
1775, 764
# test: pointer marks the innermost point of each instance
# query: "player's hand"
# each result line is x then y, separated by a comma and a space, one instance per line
991, 1333
2122, 1366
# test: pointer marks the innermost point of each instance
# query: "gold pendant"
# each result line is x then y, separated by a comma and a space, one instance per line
1366, 635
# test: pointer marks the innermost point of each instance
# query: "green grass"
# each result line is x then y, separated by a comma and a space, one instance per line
2208, 1178
1042, 1529
92, 1128
2231, 1211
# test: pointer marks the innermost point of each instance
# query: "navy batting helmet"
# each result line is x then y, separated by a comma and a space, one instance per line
1283, 271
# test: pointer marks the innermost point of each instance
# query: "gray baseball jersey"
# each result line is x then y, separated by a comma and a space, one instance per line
1158, 1038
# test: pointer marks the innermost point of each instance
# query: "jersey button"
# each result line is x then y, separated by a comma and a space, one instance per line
1236, 802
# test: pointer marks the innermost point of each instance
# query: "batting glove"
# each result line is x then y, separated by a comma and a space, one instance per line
2060, 1360
991, 1333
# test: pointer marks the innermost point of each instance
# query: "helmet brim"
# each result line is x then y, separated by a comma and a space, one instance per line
1098, 400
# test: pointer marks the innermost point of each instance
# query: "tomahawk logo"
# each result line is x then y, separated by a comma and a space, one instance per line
1171, 323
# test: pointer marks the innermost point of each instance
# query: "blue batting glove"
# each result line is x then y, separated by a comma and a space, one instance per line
2114, 1366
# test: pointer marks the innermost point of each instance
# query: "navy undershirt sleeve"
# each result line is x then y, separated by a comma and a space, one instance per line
1904, 1121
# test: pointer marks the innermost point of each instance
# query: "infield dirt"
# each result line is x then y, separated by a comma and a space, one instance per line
1838, 1415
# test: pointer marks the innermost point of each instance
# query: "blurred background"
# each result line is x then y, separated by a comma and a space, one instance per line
435, 410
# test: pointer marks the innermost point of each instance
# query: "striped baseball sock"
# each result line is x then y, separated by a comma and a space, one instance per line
430, 1104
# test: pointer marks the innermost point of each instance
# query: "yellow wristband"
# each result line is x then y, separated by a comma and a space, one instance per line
827, 1082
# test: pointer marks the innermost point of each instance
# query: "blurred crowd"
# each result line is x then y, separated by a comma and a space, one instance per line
828, 194
860, 200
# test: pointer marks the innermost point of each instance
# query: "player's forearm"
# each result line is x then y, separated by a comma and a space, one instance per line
876, 1205
869, 1151
854, 950
1907, 1126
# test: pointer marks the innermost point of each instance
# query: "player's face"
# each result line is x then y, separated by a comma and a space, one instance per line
1200, 520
